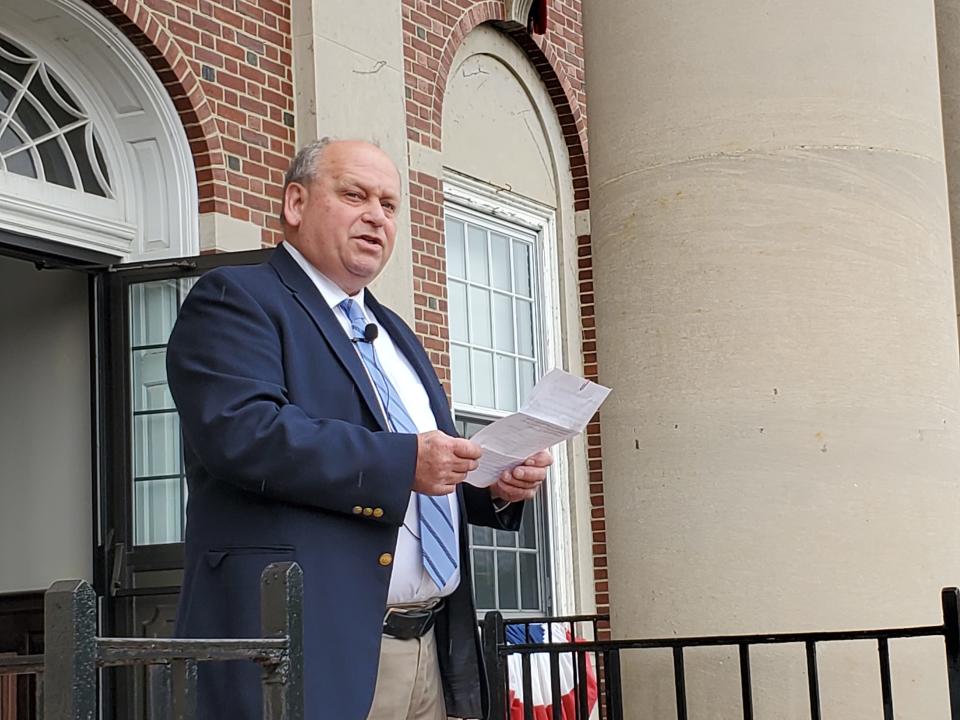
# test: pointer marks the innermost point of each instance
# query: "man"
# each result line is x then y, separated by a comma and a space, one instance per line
316, 430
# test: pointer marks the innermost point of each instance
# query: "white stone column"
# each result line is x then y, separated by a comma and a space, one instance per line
776, 316
348, 83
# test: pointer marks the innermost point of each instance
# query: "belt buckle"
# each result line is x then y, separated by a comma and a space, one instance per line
409, 623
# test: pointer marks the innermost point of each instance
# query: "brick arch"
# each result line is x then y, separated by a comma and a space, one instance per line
138, 24
565, 102
544, 59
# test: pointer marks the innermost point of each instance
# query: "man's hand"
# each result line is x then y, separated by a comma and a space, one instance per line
443, 462
524, 480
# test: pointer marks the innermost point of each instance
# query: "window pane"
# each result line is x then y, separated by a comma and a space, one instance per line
158, 511
480, 317
102, 164
506, 538
150, 391
60, 116
525, 328
457, 306
507, 580
477, 245
61, 91
527, 374
483, 394
156, 444
153, 310
10, 138
483, 580
503, 322
30, 119
55, 167
528, 531
77, 140
521, 269
456, 260
529, 582
500, 260
22, 164
470, 428
506, 383
482, 536
460, 374
16, 70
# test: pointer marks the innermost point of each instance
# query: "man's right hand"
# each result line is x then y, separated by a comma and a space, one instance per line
443, 462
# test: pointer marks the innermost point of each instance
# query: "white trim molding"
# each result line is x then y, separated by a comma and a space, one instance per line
68, 227
487, 200
518, 10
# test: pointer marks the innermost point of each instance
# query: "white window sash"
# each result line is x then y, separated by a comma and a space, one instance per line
471, 198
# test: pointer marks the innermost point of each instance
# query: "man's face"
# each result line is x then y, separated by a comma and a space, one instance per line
344, 221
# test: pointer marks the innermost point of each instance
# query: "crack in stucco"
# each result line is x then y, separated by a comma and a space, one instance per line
734, 155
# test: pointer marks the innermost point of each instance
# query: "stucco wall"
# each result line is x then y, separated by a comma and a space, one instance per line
45, 481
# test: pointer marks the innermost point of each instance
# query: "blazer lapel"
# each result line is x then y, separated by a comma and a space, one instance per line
306, 293
419, 362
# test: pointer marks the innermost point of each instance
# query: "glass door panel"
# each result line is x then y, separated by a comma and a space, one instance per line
141, 477
159, 483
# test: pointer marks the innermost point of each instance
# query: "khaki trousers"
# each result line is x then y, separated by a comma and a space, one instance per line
408, 681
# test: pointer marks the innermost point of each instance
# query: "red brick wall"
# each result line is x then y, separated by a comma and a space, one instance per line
227, 65
433, 30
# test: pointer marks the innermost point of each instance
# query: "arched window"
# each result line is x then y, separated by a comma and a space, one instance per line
95, 164
44, 131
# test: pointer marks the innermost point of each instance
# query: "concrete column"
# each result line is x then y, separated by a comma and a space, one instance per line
775, 312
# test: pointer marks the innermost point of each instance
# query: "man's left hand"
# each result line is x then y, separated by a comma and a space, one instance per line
524, 480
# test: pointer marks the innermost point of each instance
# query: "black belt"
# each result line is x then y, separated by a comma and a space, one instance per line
410, 622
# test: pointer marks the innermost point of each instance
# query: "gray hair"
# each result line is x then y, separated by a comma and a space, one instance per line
303, 167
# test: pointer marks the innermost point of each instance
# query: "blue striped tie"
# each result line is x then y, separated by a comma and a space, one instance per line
438, 542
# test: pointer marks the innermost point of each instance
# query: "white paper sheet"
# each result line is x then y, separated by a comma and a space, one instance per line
558, 408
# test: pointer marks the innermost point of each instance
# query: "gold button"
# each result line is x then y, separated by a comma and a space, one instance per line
386, 559
357, 510
368, 511
378, 512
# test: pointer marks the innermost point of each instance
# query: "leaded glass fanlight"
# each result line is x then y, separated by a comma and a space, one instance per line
44, 132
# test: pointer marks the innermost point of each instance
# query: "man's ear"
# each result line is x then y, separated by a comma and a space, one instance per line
294, 198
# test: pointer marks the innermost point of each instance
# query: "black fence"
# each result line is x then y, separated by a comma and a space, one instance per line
596, 664
66, 673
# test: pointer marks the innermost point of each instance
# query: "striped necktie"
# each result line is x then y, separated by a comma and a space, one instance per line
438, 541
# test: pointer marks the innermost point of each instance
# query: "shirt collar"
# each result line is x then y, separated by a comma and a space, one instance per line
332, 293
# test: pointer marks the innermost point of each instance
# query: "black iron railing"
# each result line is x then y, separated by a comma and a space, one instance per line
602, 658
67, 671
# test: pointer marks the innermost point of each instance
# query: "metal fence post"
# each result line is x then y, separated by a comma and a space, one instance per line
70, 657
183, 689
950, 602
281, 615
492, 636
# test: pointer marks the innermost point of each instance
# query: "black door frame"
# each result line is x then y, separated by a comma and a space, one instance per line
117, 559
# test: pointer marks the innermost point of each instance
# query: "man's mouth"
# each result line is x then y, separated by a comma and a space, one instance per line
371, 240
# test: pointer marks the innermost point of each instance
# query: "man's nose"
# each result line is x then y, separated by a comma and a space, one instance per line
375, 214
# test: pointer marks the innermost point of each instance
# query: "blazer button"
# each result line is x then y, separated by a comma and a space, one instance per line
378, 512
386, 559
357, 510
368, 512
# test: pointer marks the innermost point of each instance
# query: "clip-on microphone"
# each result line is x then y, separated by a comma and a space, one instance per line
370, 333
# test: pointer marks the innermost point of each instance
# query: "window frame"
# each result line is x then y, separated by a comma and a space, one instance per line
468, 197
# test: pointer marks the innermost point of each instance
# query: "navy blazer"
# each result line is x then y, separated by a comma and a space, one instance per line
283, 439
